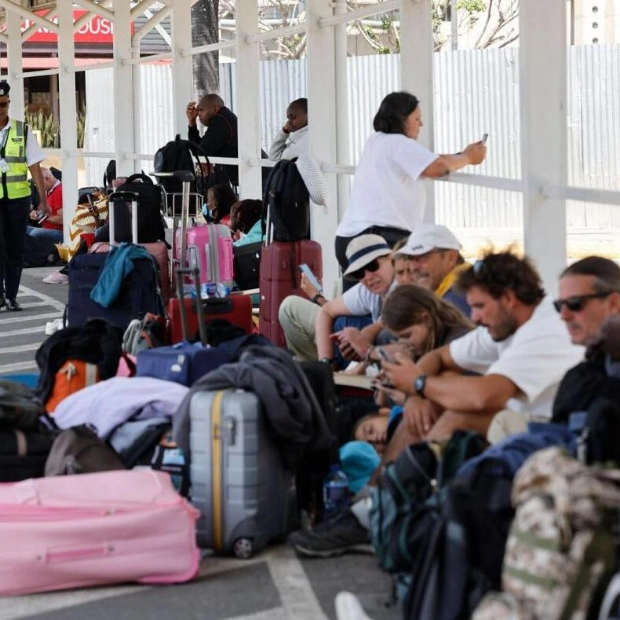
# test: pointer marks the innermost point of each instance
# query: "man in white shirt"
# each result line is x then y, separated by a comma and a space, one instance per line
521, 350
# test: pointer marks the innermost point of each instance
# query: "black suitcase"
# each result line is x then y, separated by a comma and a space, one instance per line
246, 263
139, 291
23, 454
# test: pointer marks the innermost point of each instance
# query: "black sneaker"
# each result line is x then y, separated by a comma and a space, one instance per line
12, 305
2, 301
336, 536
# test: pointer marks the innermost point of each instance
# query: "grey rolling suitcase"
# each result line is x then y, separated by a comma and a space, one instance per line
239, 483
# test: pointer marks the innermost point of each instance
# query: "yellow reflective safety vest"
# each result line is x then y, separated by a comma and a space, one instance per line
15, 180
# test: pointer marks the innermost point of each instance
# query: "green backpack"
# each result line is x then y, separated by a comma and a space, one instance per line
407, 497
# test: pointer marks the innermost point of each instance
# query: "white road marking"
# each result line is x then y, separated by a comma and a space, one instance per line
22, 348
23, 332
293, 585
20, 319
50, 301
18, 366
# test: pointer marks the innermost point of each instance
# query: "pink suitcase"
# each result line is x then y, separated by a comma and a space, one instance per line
95, 529
212, 246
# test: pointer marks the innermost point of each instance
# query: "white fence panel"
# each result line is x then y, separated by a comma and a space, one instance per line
476, 92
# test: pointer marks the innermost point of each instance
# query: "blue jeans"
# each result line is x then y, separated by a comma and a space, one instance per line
51, 234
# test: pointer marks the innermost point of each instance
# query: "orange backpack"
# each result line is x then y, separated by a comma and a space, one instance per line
72, 376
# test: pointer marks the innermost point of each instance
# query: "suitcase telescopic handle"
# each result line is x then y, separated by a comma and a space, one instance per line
186, 177
127, 196
202, 330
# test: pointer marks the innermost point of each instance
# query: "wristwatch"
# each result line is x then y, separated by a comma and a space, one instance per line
419, 384
315, 299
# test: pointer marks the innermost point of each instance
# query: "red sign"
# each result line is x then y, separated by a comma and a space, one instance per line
97, 30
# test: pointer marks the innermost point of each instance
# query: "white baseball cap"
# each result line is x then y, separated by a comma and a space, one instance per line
429, 237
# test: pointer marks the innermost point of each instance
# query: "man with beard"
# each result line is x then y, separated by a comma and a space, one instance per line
520, 349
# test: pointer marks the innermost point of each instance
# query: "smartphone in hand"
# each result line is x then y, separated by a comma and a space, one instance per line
484, 138
311, 277
385, 355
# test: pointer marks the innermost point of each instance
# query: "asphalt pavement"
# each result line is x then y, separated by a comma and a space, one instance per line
274, 585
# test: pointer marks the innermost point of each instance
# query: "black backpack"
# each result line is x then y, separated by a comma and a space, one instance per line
150, 218
181, 154
286, 202
407, 494
462, 550
110, 173
97, 342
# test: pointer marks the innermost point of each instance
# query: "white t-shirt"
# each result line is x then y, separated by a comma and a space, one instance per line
387, 188
34, 153
360, 301
535, 358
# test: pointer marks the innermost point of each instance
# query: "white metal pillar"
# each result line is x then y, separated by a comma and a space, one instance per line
322, 127
182, 82
416, 74
342, 108
247, 106
123, 91
14, 53
68, 112
543, 132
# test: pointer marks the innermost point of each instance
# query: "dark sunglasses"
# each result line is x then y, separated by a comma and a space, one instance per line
578, 302
4, 104
361, 272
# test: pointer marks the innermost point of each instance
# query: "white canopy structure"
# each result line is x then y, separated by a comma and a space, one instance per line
543, 95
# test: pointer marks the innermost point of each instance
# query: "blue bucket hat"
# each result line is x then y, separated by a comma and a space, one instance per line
358, 460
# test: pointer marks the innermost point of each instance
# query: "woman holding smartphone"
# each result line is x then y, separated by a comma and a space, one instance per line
388, 196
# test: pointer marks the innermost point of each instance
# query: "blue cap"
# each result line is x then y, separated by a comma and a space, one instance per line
358, 460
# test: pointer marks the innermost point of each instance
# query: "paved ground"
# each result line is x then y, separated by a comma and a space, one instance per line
273, 586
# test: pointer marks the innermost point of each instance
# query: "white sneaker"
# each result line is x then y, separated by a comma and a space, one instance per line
54, 326
348, 607
56, 278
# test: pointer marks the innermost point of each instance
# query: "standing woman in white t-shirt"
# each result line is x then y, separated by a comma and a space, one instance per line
388, 196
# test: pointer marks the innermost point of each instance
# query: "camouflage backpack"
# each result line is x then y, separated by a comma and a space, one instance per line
561, 548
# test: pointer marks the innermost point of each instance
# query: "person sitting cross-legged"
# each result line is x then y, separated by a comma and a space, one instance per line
308, 326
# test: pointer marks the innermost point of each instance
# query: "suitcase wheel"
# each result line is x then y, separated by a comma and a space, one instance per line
243, 548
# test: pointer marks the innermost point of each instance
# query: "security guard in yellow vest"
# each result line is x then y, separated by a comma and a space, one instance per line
19, 153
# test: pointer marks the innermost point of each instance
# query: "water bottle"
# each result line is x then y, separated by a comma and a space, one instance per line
335, 490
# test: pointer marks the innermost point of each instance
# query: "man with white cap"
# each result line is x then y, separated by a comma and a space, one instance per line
434, 252
308, 326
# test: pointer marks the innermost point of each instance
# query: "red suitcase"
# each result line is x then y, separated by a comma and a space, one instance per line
235, 308
280, 277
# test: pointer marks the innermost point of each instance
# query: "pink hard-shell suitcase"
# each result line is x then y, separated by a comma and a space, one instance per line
211, 245
95, 529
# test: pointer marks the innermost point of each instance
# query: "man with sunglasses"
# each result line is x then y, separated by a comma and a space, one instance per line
19, 153
520, 348
589, 296
435, 262
308, 326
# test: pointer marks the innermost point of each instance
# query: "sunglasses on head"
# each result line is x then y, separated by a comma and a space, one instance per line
361, 272
578, 302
